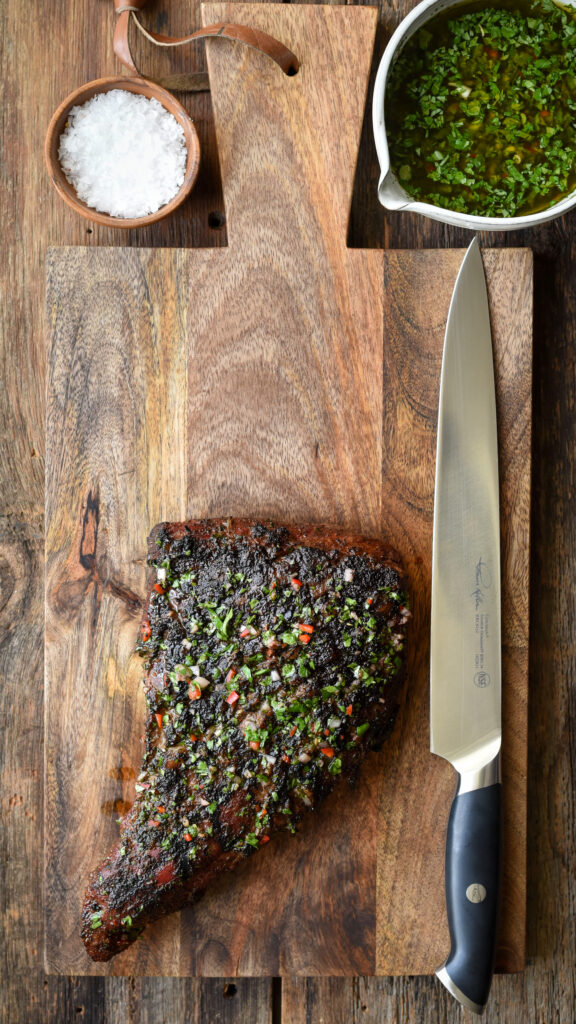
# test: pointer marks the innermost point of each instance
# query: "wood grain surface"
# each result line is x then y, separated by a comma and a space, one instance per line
290, 377
37, 71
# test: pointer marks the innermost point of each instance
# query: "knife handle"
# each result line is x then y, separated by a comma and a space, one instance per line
472, 875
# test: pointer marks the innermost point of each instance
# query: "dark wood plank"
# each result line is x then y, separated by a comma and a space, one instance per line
394, 1000
21, 557
226, 1000
35, 999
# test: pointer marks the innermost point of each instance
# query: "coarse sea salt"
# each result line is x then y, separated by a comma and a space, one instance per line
124, 154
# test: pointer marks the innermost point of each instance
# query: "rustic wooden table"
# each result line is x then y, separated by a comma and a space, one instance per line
48, 50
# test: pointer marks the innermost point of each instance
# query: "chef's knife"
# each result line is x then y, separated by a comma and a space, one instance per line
465, 714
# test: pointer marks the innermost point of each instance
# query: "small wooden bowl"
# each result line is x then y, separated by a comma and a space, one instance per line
150, 91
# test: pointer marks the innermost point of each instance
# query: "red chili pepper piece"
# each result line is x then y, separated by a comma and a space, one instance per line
254, 745
292, 730
146, 632
264, 839
187, 837
230, 675
194, 692
161, 810
296, 583
158, 718
304, 627
232, 697
245, 632
304, 638
349, 709
159, 588
166, 874
327, 751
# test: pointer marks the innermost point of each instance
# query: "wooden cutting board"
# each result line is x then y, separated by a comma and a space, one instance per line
285, 376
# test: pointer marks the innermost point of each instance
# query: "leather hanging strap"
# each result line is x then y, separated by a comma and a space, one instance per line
128, 12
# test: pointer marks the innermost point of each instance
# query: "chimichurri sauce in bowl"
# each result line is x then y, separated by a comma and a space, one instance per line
480, 109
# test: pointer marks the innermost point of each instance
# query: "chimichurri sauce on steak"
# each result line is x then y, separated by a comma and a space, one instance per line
274, 657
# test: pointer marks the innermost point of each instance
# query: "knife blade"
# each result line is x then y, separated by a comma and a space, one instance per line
465, 653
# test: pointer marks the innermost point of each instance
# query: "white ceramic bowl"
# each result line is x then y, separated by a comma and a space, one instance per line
391, 193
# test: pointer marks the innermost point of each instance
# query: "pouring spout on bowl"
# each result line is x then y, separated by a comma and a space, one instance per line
390, 192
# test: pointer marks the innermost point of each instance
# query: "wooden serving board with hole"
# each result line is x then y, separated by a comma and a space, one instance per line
290, 377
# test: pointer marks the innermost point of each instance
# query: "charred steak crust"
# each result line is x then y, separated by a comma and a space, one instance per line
274, 657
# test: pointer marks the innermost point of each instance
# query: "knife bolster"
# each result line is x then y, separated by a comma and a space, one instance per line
488, 775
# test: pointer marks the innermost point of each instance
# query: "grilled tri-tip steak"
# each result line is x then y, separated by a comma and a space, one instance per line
274, 659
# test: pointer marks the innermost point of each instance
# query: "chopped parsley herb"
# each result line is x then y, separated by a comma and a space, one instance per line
221, 625
327, 691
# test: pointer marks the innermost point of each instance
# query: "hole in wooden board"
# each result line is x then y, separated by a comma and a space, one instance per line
216, 219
